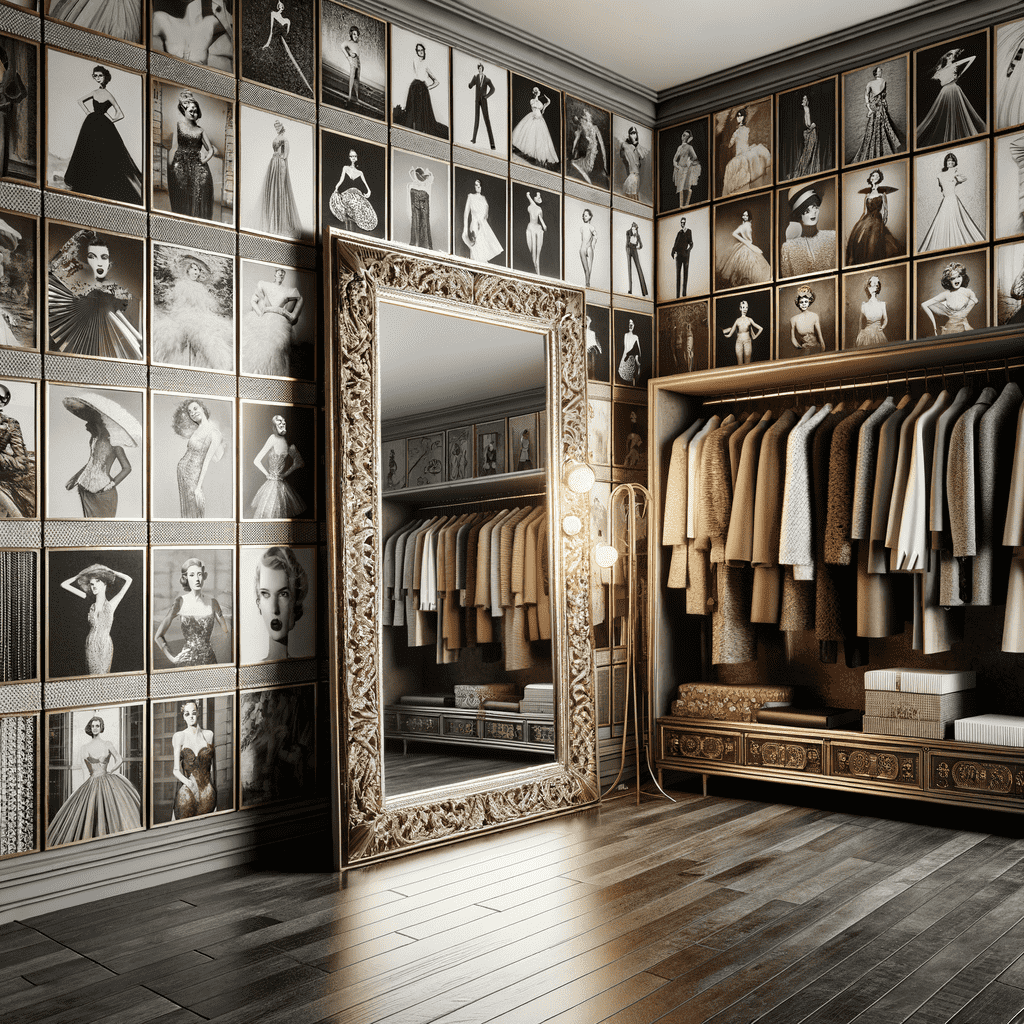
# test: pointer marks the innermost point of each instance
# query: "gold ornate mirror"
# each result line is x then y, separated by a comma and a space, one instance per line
381, 297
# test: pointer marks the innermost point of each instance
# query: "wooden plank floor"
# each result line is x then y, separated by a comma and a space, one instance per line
732, 908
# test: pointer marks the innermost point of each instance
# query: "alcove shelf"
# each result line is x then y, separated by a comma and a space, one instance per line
473, 489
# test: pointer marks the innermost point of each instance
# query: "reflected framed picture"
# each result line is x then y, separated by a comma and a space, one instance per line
119, 20
19, 446
208, 41
599, 431
634, 349
743, 327
876, 111
459, 452
876, 213
951, 91
425, 459
632, 254
281, 441
743, 242
420, 203
951, 193
1009, 186
951, 294
19, 287
684, 337
587, 258
806, 228
277, 324
481, 216
20, 608
489, 448
1008, 75
876, 306
1009, 284
394, 452
353, 184
353, 60
744, 136
536, 229
526, 451
808, 129
276, 603
277, 744
480, 102
420, 85
536, 120
684, 165
807, 318
629, 436
19, 158
632, 160
598, 341
684, 253
587, 143
276, 44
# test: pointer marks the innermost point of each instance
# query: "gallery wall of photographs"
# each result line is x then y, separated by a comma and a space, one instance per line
879, 205
169, 169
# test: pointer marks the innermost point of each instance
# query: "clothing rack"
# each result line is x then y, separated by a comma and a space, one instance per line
477, 504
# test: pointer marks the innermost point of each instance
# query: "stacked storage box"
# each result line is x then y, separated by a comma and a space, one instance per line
538, 699
1001, 730
919, 703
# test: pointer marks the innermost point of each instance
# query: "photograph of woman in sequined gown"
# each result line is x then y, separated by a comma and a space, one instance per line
277, 460
204, 446
881, 136
196, 615
189, 181
107, 587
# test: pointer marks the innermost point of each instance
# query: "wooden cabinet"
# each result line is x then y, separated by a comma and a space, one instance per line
507, 729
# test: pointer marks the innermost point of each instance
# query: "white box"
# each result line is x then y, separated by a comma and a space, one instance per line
919, 680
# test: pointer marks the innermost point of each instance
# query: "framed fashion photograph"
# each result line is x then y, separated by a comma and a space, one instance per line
393, 453
876, 305
95, 292
278, 460
459, 452
744, 136
277, 744
19, 450
587, 143
587, 258
119, 19
536, 231
629, 436
806, 228
876, 111
276, 44
96, 452
951, 294
19, 280
192, 757
876, 213
632, 254
684, 253
951, 196
1008, 286
743, 242
95, 128
536, 120
806, 318
481, 216
195, 172
95, 772
95, 611
353, 61
19, 68
684, 165
197, 433
807, 130
599, 432
632, 160
353, 184
192, 319
684, 337
426, 456
198, 31
524, 443
1008, 75
19, 781
420, 204
277, 323
489, 448
278, 197
276, 603
633, 354
1008, 198
951, 91
480, 103
743, 328
420, 85
20, 609
598, 340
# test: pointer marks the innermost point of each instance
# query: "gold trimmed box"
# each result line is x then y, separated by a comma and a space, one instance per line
723, 703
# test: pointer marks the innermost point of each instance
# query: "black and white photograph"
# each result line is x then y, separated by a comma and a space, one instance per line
19, 773
684, 337
743, 328
278, 460
19, 274
193, 757
524, 443
599, 432
1008, 75
276, 603
587, 143
353, 60
193, 601
120, 19
197, 31
425, 459
536, 120
279, 157
951, 91
684, 165
876, 213
195, 173
95, 292
193, 308
420, 83
807, 318
489, 449
393, 453
420, 203
684, 254
876, 111
481, 216
536, 231
459, 452
95, 612
588, 247
480, 104
20, 127
951, 190
951, 294
278, 321
353, 184
95, 128
808, 216
97, 468
743, 148
19, 448
19, 615
633, 353
807, 130
199, 432
629, 436
1009, 284
743, 242
1008, 198
277, 744
632, 160
276, 44
95, 772
632, 254
597, 331
875, 306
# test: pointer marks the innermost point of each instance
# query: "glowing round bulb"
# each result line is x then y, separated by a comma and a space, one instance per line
605, 555
571, 525
579, 477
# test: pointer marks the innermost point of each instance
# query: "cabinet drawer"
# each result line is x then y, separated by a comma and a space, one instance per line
784, 753
981, 776
459, 726
426, 725
695, 744
899, 766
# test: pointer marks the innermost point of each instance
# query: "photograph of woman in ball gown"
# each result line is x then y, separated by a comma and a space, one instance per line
18, 430
189, 181
875, 307
19, 109
739, 260
952, 197
277, 603
419, 83
18, 288
875, 103
536, 124
743, 137
1008, 74
277, 744
277, 461
280, 199
277, 326
868, 238
276, 44
952, 91
121, 19
353, 60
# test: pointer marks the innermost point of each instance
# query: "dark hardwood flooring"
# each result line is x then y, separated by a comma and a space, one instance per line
428, 765
731, 908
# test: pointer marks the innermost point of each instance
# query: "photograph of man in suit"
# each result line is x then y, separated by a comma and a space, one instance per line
484, 90
681, 254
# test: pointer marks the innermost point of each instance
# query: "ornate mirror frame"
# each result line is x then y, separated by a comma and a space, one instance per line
360, 276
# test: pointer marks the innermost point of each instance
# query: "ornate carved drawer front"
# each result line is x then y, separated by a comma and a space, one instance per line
390, 722
980, 776
900, 767
503, 730
428, 725
542, 733
696, 745
460, 727
785, 754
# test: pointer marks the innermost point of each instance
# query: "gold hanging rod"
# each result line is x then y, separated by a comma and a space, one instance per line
465, 505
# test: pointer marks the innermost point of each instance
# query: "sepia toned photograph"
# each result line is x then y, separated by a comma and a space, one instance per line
807, 130
276, 44
536, 231
876, 111
876, 213
684, 337
278, 460
276, 603
277, 325
353, 184
1009, 284
19, 81
633, 354
277, 744
597, 331
20, 615
394, 461
806, 228
489, 450
951, 294
876, 304
1009, 186
743, 242
1008, 75
524, 443
19, 448
198, 31
599, 432
684, 165
587, 143
743, 148
536, 119
587, 259
951, 189
951, 91
480, 103
19, 275
481, 216
420, 204
629, 436
632, 160
807, 318
420, 84
632, 254
353, 60
743, 328
120, 19
425, 459
684, 254
459, 451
